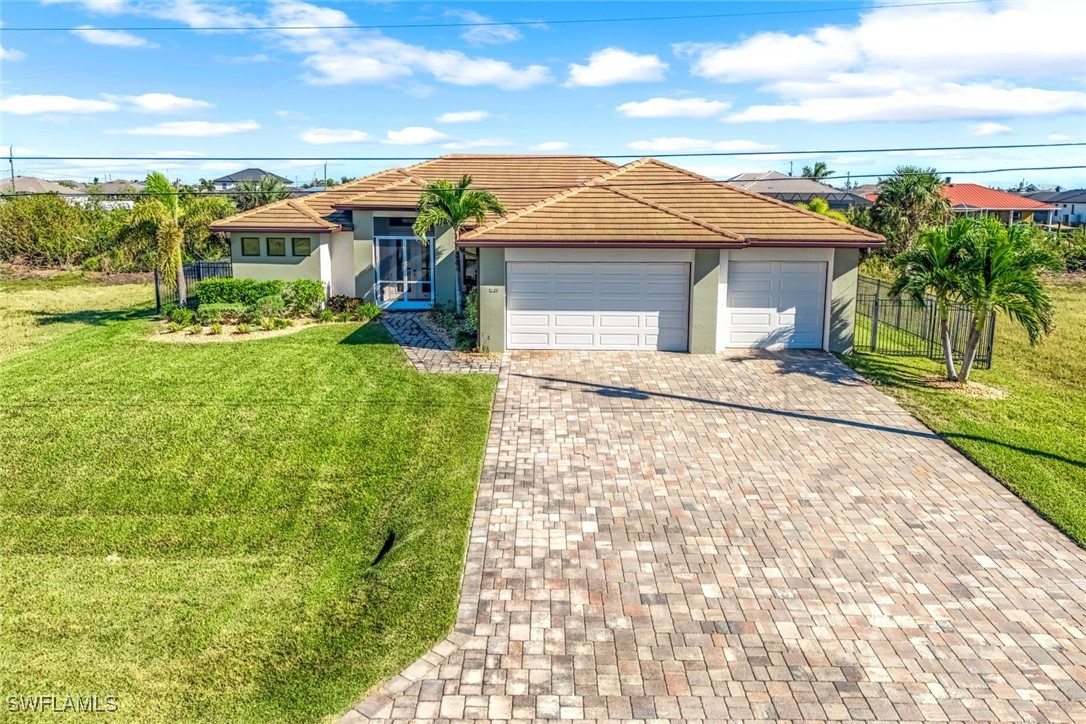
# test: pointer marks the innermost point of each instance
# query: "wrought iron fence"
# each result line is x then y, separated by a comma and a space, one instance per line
897, 326
194, 271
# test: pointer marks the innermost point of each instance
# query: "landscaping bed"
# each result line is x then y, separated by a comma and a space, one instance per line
199, 525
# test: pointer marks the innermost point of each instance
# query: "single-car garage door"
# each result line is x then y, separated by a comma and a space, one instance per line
597, 305
776, 303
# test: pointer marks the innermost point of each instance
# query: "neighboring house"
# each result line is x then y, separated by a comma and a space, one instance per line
1070, 206
646, 256
796, 190
224, 183
32, 185
977, 200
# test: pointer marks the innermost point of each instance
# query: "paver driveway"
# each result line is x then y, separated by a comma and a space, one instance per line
708, 538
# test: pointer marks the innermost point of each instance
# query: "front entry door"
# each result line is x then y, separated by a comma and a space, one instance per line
404, 268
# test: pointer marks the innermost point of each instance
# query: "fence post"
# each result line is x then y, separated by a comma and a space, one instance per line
875, 324
158, 299
931, 331
991, 338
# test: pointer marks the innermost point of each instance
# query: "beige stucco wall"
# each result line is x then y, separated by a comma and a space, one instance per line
287, 268
341, 260
362, 262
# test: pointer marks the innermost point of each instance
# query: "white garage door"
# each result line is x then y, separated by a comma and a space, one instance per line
776, 303
597, 305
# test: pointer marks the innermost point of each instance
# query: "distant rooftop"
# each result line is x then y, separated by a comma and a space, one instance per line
250, 174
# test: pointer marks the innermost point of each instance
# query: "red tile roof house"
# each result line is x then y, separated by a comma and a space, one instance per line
590, 255
977, 200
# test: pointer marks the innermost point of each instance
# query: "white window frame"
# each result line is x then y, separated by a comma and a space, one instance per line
402, 304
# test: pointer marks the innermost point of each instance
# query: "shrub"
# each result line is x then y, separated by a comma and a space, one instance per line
471, 309
270, 306
174, 327
343, 317
231, 290
371, 310
303, 296
243, 328
208, 313
183, 316
326, 315
167, 309
216, 328
282, 323
343, 303
196, 328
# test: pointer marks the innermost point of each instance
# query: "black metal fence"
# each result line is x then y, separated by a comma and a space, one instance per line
194, 271
896, 326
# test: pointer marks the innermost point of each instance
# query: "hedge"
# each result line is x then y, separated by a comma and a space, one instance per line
232, 290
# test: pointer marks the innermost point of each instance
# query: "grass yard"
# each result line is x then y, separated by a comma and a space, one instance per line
1035, 439
193, 528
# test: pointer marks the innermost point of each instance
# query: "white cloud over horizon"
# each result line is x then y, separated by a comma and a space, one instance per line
480, 143
333, 135
615, 65
462, 116
190, 129
673, 108
988, 129
112, 38
36, 103
484, 34
11, 55
682, 144
415, 136
552, 146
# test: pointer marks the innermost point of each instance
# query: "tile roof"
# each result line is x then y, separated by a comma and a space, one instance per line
250, 174
571, 199
1077, 196
975, 196
769, 182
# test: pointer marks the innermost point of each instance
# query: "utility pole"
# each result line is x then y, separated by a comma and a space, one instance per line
324, 181
789, 168
11, 165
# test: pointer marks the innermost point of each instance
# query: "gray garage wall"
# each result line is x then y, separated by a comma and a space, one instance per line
843, 299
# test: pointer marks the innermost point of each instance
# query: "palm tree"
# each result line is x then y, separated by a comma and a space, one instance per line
443, 203
1002, 268
822, 207
908, 201
818, 172
931, 266
205, 185
250, 194
165, 220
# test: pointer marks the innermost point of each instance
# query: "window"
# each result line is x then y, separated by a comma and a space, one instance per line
300, 246
250, 246
277, 247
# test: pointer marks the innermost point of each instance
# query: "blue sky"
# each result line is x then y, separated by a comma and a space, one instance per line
809, 77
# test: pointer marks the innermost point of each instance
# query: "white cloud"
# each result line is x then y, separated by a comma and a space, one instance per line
480, 143
1058, 138
30, 104
113, 38
988, 129
162, 103
483, 34
243, 59
193, 129
673, 108
772, 55
334, 135
415, 136
615, 65
552, 146
11, 54
294, 115
937, 102
462, 116
681, 144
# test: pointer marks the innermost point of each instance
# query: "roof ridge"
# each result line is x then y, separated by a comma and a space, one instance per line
675, 212
763, 197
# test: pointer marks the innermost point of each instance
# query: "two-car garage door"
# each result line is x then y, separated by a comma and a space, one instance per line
597, 305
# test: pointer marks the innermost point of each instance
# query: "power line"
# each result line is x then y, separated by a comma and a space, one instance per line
495, 23
700, 154
563, 187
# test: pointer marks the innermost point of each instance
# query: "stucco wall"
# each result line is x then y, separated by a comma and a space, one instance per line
288, 268
842, 327
704, 288
362, 266
341, 260
445, 268
492, 299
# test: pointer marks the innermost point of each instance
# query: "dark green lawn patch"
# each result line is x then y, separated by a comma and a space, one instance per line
1033, 440
193, 528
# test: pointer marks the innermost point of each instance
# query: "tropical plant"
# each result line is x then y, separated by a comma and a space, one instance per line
251, 193
1002, 268
819, 171
453, 205
167, 222
909, 200
932, 266
822, 207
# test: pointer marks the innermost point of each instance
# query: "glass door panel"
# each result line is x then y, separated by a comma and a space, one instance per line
418, 271
404, 267
390, 272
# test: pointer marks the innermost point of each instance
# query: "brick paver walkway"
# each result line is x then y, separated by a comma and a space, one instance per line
427, 352
679, 537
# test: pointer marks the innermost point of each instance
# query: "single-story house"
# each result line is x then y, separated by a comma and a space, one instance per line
589, 256
225, 183
977, 200
1070, 205
797, 189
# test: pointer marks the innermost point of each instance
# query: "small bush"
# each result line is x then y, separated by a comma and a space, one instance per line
343, 303
243, 328
209, 313
282, 323
303, 296
471, 309
230, 290
343, 317
270, 306
326, 315
167, 310
216, 328
183, 316
196, 328
174, 327
371, 310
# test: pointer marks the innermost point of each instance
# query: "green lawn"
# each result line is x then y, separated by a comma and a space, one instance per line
192, 527
1035, 439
